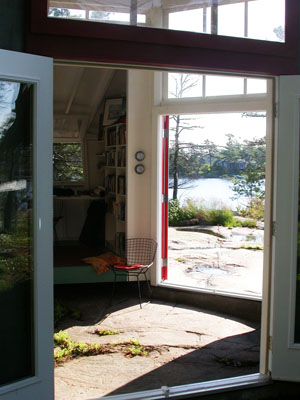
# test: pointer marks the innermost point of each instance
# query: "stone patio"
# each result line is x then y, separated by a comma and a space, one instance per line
189, 344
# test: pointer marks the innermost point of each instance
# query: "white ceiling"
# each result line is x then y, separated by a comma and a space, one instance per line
78, 95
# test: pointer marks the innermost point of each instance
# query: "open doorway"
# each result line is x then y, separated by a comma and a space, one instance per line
89, 168
216, 207
219, 144
208, 347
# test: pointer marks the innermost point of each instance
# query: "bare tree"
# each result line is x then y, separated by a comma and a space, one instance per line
183, 83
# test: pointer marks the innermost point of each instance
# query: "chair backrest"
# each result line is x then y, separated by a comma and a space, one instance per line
140, 251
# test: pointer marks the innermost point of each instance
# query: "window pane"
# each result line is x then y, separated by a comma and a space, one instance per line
255, 19
115, 17
256, 86
178, 20
16, 232
223, 85
66, 13
67, 162
266, 20
184, 85
231, 20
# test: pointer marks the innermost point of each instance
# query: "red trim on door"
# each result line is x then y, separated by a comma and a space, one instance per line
165, 189
164, 273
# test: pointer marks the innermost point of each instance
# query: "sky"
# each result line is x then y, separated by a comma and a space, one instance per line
214, 127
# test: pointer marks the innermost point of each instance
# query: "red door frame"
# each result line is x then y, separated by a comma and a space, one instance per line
164, 196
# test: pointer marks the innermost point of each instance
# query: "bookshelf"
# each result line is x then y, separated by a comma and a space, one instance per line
115, 186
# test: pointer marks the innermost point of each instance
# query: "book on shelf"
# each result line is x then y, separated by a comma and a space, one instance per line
121, 185
119, 208
121, 135
110, 183
110, 158
121, 158
111, 134
120, 243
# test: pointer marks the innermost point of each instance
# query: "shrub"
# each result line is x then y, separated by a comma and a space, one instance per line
248, 223
192, 213
255, 209
174, 212
222, 217
178, 214
202, 215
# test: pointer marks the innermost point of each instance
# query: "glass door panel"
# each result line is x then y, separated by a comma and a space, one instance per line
26, 267
16, 232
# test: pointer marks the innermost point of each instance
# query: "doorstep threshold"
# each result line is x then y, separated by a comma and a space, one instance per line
194, 289
195, 389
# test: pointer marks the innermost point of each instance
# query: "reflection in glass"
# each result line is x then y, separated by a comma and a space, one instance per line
16, 232
255, 19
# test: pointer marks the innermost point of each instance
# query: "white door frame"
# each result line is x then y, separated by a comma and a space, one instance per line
38, 71
286, 353
219, 105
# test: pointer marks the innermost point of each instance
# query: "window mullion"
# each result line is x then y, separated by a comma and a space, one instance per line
214, 17
204, 19
133, 12
246, 19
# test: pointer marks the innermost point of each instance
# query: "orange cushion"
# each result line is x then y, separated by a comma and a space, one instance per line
134, 266
100, 263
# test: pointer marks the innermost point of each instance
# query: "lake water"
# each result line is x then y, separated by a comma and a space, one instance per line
210, 192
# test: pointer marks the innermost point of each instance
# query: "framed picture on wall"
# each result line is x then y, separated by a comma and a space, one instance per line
114, 109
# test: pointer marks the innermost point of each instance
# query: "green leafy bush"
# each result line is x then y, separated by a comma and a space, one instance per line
178, 214
255, 210
201, 215
246, 223
222, 217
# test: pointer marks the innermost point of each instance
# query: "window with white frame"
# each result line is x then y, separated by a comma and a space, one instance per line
180, 86
68, 165
255, 19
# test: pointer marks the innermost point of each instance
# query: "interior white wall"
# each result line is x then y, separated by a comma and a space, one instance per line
117, 87
139, 125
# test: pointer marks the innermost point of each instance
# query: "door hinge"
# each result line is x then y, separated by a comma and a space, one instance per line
270, 343
165, 198
274, 228
166, 133
275, 111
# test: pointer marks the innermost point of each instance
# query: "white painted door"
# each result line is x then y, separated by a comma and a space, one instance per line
26, 269
285, 343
